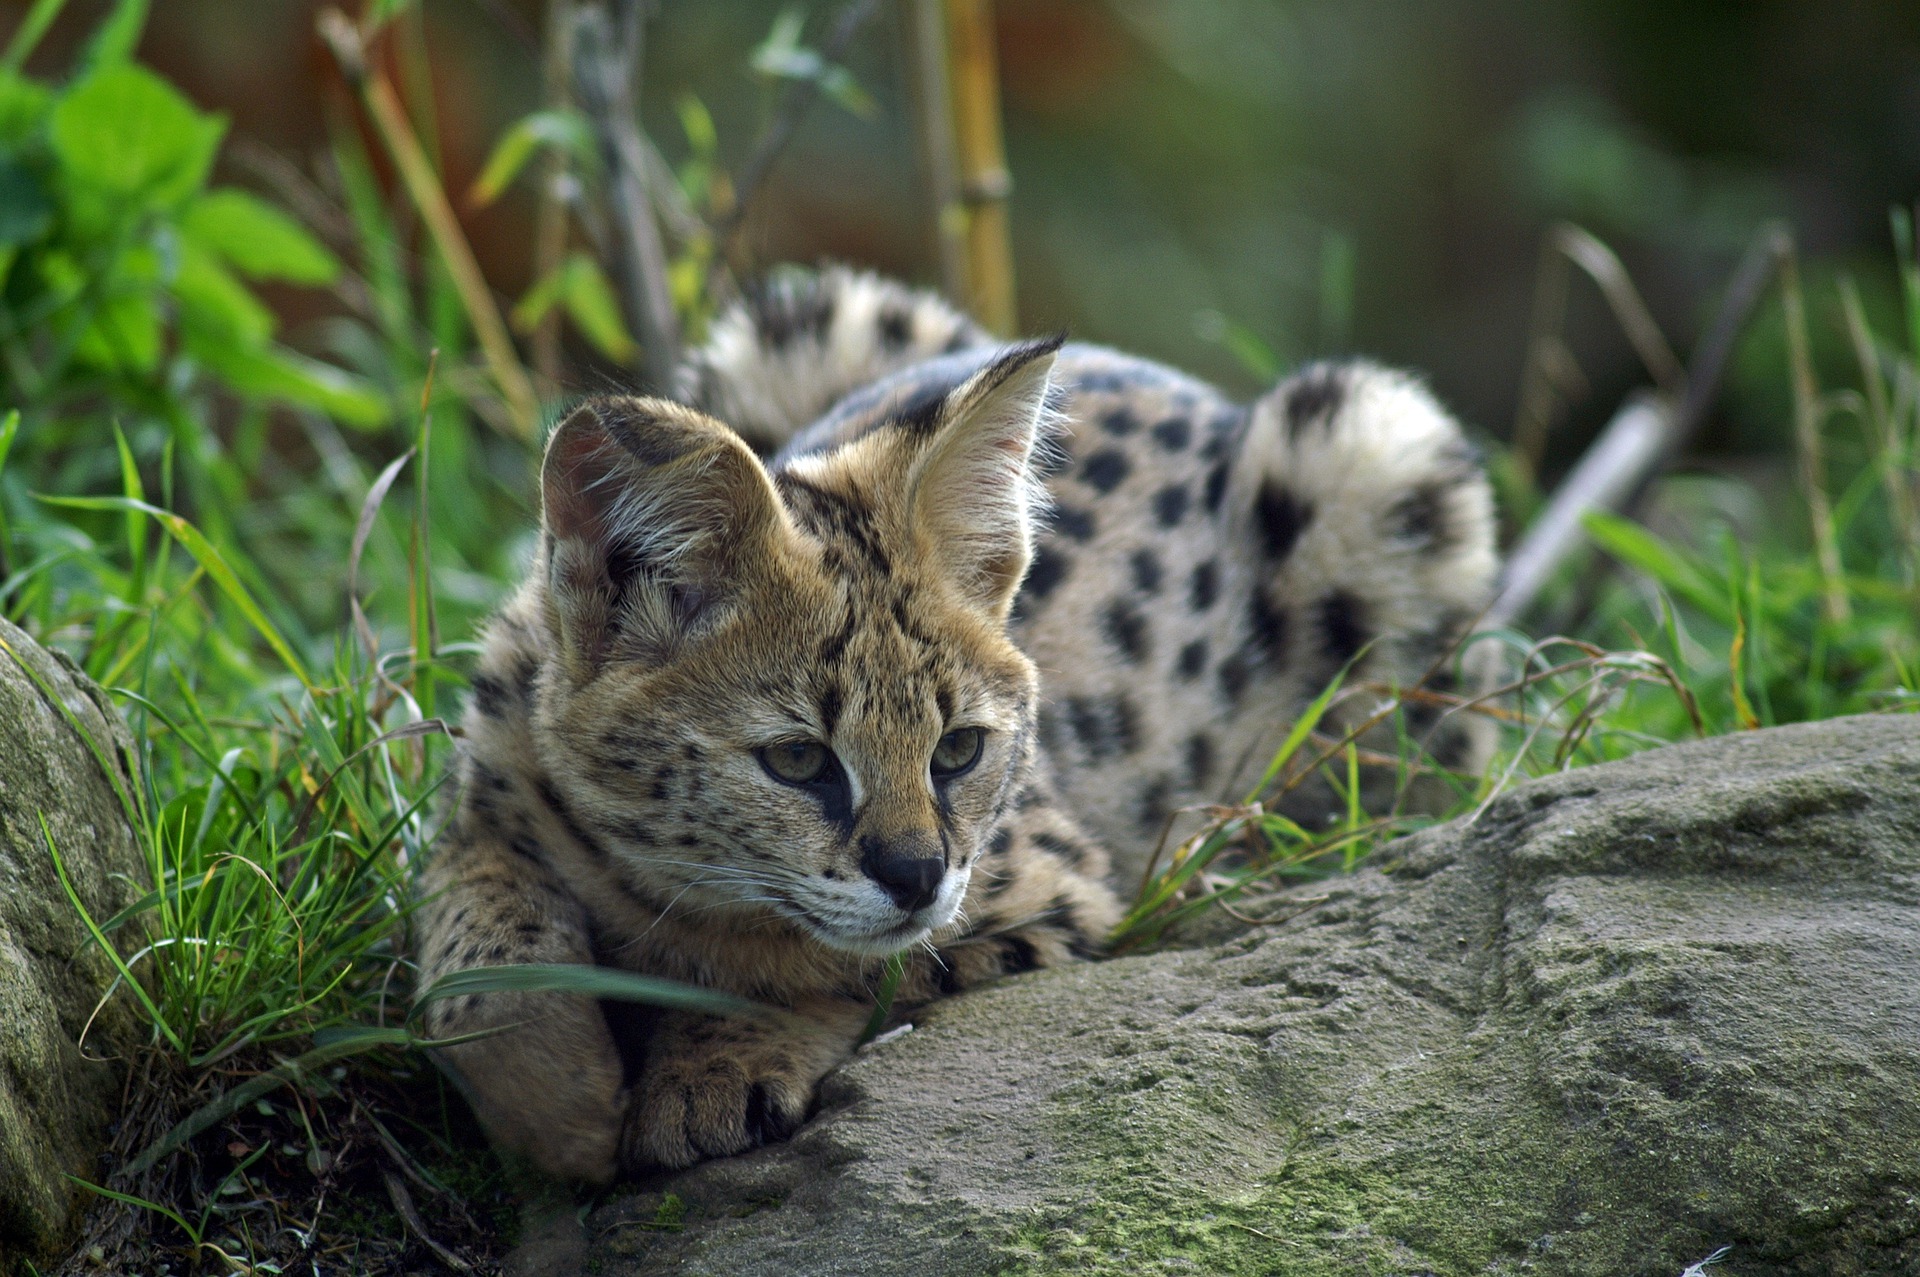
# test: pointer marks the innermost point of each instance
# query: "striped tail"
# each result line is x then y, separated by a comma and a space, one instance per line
801, 340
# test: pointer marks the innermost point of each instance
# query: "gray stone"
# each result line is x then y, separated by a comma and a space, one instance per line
56, 1097
1633, 1014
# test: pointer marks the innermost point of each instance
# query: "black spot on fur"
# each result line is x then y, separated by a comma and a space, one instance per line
1071, 854
1018, 955
1147, 572
1001, 842
1199, 760
784, 310
1173, 434
1343, 626
1126, 628
1420, 518
949, 977
1071, 522
1282, 519
1156, 804
896, 326
1266, 627
1120, 422
489, 696
1105, 470
1216, 488
1316, 393
1048, 570
1170, 504
1204, 588
1104, 728
1193, 660
1234, 675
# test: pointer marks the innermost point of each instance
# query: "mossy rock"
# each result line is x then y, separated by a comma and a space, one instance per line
1632, 1015
56, 1096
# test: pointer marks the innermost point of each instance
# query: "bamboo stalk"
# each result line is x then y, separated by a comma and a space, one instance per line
984, 183
423, 185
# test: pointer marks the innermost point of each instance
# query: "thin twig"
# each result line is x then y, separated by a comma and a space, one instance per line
606, 73
793, 106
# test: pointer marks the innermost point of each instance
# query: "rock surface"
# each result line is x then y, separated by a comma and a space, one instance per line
55, 1098
1634, 1014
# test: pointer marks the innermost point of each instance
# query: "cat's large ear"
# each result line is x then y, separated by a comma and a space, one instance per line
650, 510
975, 497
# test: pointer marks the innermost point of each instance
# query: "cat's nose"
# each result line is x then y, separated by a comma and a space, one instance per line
910, 881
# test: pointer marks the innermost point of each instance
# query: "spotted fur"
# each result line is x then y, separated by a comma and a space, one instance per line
1125, 583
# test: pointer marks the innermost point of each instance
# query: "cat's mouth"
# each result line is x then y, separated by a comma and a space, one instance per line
859, 932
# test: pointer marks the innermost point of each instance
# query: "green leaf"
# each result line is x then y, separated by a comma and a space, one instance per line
579, 285
124, 131
274, 372
114, 43
213, 304
565, 129
257, 239
1636, 547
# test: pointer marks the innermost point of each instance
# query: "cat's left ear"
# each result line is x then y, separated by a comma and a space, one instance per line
975, 499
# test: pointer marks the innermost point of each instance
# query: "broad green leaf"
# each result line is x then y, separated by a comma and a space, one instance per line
579, 286
257, 239
124, 131
566, 129
123, 334
274, 372
213, 304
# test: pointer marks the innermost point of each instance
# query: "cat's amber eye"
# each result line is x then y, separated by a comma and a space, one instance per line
956, 751
796, 762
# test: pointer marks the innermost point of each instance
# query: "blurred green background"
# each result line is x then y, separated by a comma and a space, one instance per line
1361, 175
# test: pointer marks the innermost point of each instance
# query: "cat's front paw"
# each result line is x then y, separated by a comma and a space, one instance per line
692, 1107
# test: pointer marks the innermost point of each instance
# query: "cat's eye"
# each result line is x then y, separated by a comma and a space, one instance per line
795, 762
956, 751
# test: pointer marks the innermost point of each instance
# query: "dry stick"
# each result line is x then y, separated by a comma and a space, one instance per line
390, 119
1646, 434
606, 71
985, 184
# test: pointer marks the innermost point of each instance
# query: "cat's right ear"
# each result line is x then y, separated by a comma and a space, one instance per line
649, 510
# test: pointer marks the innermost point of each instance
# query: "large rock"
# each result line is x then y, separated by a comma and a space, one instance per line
55, 1098
1632, 1015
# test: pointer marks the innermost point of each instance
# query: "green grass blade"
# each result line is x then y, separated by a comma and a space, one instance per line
592, 982
209, 557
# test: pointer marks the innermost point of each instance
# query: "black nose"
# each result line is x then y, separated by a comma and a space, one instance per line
911, 882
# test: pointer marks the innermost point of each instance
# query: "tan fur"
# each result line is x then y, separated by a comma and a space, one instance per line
692, 608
